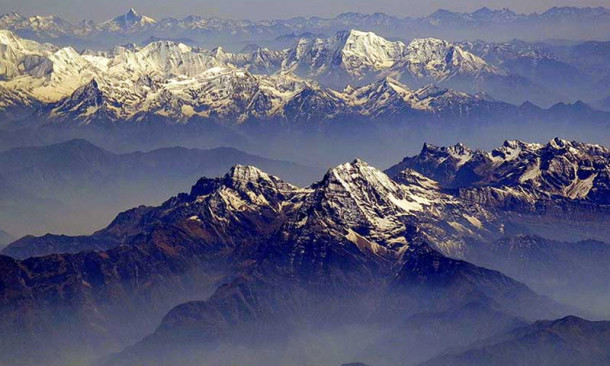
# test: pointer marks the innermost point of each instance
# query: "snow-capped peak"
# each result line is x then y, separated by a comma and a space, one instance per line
438, 59
460, 152
519, 171
175, 81
352, 176
371, 49
358, 199
14, 43
129, 21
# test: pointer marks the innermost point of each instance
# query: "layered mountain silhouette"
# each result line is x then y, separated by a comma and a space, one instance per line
552, 198
566, 341
453, 256
484, 23
279, 258
101, 183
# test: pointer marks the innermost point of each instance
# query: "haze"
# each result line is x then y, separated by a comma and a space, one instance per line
75, 10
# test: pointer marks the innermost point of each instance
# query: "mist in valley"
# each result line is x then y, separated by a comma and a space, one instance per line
359, 189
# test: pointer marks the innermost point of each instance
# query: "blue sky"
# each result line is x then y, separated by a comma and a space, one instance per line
264, 9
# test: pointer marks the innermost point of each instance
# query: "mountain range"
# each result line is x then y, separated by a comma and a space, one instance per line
357, 253
176, 82
518, 173
485, 23
280, 251
564, 183
463, 253
335, 88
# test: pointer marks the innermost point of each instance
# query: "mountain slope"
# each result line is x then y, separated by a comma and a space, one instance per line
171, 83
552, 202
566, 341
571, 272
484, 23
333, 251
247, 304
518, 171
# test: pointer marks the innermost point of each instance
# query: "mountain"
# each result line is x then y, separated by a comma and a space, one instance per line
174, 83
552, 201
101, 183
484, 23
356, 58
44, 27
577, 269
518, 172
433, 59
565, 341
574, 70
165, 83
128, 22
200, 327
347, 56
327, 254
421, 195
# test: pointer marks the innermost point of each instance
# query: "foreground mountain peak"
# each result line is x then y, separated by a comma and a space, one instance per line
359, 174
249, 173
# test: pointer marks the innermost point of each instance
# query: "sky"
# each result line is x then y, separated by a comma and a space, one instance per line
99, 10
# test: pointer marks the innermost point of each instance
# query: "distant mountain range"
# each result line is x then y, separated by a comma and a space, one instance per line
172, 81
345, 94
518, 173
168, 83
561, 181
485, 23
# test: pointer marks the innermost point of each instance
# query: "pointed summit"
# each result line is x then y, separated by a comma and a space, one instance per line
129, 21
132, 13
358, 175
368, 190
245, 185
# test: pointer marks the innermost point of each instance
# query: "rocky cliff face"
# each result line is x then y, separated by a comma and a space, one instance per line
518, 172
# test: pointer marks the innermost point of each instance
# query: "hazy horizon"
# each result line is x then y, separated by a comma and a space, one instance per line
76, 10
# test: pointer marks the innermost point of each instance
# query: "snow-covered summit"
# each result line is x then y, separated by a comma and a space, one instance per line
360, 55
130, 21
175, 82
